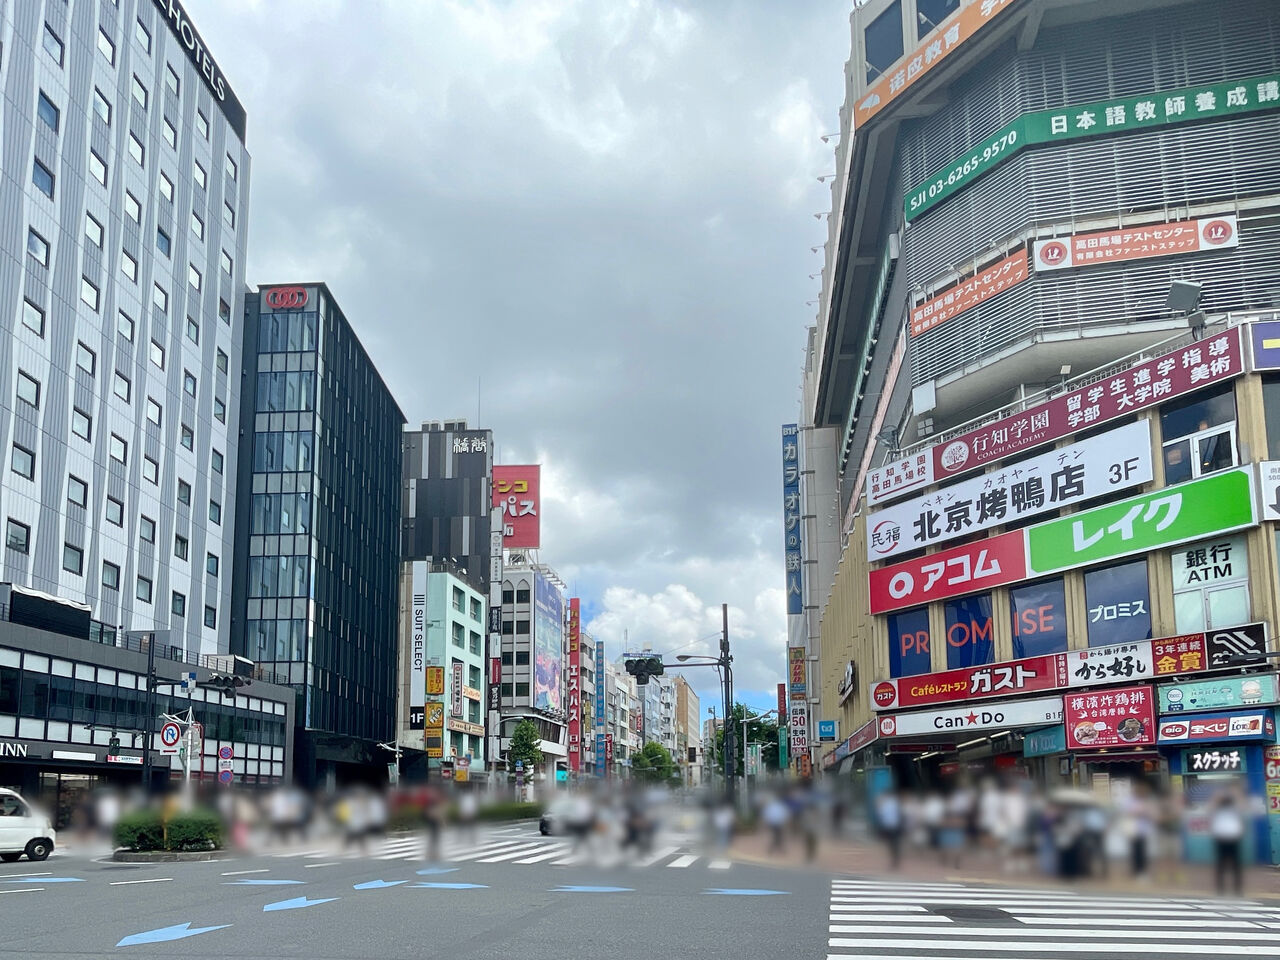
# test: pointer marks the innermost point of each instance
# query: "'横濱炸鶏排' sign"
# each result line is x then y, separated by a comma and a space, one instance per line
1105, 117
1138, 242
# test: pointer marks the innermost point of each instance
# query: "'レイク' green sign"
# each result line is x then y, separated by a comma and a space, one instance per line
1199, 508
1205, 102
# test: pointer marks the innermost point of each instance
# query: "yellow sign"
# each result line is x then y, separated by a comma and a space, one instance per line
460, 775
435, 681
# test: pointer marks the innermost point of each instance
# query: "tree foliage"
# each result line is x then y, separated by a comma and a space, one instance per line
653, 764
525, 745
763, 732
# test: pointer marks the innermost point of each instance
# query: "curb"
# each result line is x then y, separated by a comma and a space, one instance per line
165, 856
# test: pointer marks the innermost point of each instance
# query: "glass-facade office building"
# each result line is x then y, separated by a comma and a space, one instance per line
315, 589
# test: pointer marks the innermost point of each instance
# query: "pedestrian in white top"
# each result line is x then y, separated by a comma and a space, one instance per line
1226, 826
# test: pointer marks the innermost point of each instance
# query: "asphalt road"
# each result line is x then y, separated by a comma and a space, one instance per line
78, 908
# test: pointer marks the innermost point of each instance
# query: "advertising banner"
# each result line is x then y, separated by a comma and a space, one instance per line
1264, 340
791, 519
1221, 692
435, 681
798, 672
782, 704
949, 303
937, 46
1046, 742
1206, 760
1123, 717
798, 726
1031, 675
516, 492
1136, 243
1001, 713
987, 563
827, 731
1116, 460
1207, 564
601, 697
608, 754
433, 728
1213, 360
417, 645
575, 688
1208, 101
548, 643
455, 691
1257, 725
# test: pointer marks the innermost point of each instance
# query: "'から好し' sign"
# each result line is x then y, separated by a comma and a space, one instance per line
1201, 364
1136, 243
1123, 717
969, 293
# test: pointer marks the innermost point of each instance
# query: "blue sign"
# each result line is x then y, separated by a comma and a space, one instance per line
791, 514
909, 643
826, 730
600, 722
1266, 344
1045, 742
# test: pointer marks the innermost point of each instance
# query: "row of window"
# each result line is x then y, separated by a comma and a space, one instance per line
460, 639
459, 604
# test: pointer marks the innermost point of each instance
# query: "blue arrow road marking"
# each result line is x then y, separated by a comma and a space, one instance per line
178, 932
729, 892
593, 890
51, 880
260, 883
432, 871
452, 886
378, 884
296, 903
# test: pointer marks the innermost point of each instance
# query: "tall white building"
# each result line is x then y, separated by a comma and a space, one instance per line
125, 202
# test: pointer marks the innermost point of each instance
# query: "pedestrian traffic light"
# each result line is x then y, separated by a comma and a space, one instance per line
642, 668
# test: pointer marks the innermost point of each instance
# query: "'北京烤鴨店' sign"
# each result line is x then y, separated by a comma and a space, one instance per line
1212, 360
1136, 243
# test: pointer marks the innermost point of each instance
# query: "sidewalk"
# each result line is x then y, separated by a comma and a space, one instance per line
864, 858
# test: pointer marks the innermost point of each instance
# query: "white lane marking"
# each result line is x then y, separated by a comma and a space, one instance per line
312, 866
719, 865
24, 890
865, 908
1067, 933
123, 883
1014, 902
684, 861
662, 854
236, 873
302, 853
6, 876
518, 852
1089, 947
837, 926
487, 849
542, 856
1129, 922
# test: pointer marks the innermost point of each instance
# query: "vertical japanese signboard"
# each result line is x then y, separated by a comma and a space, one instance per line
516, 492
791, 516
455, 692
796, 669
418, 646
575, 687
602, 767
782, 704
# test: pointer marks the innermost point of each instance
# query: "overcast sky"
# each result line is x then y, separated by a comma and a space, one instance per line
590, 222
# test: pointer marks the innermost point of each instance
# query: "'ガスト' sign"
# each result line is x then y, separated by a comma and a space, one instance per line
1136, 243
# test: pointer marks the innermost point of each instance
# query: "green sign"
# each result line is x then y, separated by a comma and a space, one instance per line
782, 748
1045, 742
1125, 115
1222, 692
1199, 508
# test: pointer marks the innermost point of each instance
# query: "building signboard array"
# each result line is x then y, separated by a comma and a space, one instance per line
1119, 717
797, 671
949, 303
1219, 503
516, 492
1219, 693
417, 645
1257, 725
602, 767
1037, 712
1090, 468
575, 686
1139, 242
1213, 360
798, 727
793, 561
1093, 666
1210, 101
433, 728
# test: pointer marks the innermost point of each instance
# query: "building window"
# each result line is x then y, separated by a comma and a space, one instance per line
124, 325
219, 410
93, 230
86, 359
228, 216
107, 47
233, 171
143, 592
150, 470
522, 595
522, 628
160, 297
115, 512
1199, 434
224, 311
506, 659
157, 354
201, 178
188, 383
508, 628
89, 295
42, 178
102, 106
171, 81
163, 244
522, 689
72, 559
228, 266
170, 135
23, 462
195, 279
122, 387
32, 317
883, 41
47, 112
97, 168
132, 208
909, 642
129, 266
221, 361
215, 512
216, 461
119, 449
193, 332
154, 411
77, 491
184, 493
474, 639
505, 691
522, 658
197, 225
146, 529
1117, 603
139, 92
181, 547
210, 617
166, 188
53, 45
28, 389
508, 595
1211, 584
188, 437
211, 564
81, 424
18, 536
142, 35
110, 575
202, 125
458, 600
137, 151
37, 248
459, 636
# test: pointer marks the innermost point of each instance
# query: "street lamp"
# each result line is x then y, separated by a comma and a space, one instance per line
758, 716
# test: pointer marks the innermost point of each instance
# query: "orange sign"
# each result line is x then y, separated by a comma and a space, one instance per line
435, 681
1137, 243
949, 35
967, 294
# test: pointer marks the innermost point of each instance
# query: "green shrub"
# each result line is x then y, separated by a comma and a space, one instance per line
510, 811
197, 830
407, 818
141, 830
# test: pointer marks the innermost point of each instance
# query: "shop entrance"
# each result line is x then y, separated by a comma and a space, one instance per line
68, 798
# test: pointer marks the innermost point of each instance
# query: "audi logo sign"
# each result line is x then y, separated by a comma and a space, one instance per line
287, 298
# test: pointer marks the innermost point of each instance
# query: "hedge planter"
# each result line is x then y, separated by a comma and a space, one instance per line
163, 856
195, 835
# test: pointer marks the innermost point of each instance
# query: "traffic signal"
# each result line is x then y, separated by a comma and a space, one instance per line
227, 683
113, 744
642, 668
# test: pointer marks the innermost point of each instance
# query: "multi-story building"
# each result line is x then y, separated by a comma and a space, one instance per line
127, 201
588, 680
318, 527
1043, 328
688, 720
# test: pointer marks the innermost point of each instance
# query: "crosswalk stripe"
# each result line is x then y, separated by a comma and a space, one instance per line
1067, 932
512, 854
874, 908
719, 865
1132, 922
486, 850
1068, 947
837, 927
684, 861
542, 856
304, 853
653, 858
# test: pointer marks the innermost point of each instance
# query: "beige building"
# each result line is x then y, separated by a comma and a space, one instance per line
688, 732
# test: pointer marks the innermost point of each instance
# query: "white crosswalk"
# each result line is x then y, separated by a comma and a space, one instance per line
504, 846
874, 920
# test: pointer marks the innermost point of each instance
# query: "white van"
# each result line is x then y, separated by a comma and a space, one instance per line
23, 829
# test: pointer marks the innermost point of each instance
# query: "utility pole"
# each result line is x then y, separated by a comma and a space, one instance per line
149, 725
729, 751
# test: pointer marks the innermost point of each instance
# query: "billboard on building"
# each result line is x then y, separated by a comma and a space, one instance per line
516, 490
791, 518
1164, 239
602, 689
417, 646
575, 687
548, 643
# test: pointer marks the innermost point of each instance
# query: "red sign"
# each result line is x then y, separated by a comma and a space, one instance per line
495, 670
575, 688
782, 703
515, 490
286, 298
1033, 674
1120, 717
951, 573
1188, 368
608, 754
1137, 243
981, 287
